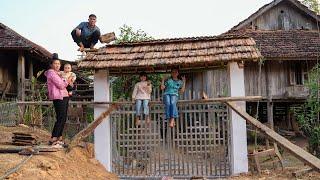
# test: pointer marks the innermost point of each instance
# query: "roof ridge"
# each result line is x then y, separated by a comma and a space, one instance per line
175, 40
273, 3
268, 30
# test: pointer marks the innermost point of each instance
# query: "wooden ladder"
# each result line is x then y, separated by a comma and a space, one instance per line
272, 154
297, 151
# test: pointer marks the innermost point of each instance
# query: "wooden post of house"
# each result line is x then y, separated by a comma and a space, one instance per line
269, 100
30, 69
269, 96
102, 133
270, 113
239, 158
21, 76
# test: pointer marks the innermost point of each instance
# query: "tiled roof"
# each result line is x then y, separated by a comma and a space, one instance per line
182, 52
281, 44
9, 39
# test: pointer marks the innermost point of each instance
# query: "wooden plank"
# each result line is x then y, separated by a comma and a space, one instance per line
90, 128
19, 148
23, 134
301, 172
294, 149
107, 38
24, 140
90, 50
22, 144
263, 153
210, 100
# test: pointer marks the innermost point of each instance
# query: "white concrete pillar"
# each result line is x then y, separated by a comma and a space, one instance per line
102, 134
239, 156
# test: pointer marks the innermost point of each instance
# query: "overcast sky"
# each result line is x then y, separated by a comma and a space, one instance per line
49, 23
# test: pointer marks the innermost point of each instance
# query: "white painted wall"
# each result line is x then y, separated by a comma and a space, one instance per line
102, 134
239, 156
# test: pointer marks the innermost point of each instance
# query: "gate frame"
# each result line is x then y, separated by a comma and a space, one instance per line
238, 129
238, 139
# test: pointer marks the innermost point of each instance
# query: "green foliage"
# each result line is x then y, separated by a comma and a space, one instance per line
122, 86
89, 114
128, 34
312, 4
33, 114
308, 114
38, 92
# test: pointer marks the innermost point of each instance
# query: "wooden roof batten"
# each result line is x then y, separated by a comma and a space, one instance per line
189, 54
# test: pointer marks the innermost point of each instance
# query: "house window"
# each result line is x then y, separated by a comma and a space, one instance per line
304, 77
297, 74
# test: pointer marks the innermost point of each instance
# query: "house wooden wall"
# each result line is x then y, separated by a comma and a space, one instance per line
213, 82
276, 76
280, 74
284, 17
9, 66
8, 70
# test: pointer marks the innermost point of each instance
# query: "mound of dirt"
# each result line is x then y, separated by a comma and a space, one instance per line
79, 163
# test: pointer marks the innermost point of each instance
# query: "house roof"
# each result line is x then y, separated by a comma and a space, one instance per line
9, 39
284, 45
267, 7
187, 53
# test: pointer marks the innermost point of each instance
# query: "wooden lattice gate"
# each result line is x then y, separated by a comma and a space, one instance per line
197, 146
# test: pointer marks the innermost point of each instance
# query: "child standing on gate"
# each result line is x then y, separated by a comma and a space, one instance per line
66, 74
172, 86
141, 96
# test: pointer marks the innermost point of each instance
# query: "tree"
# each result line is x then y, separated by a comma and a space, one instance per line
312, 4
122, 86
308, 114
127, 34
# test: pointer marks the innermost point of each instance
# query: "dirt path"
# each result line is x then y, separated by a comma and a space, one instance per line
78, 164
81, 164
277, 175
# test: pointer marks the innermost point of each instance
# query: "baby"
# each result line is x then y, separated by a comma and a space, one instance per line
66, 74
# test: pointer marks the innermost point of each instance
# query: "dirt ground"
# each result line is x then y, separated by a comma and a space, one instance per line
77, 164
278, 175
291, 164
81, 164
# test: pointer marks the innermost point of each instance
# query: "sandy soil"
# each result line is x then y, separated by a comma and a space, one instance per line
81, 164
278, 175
77, 164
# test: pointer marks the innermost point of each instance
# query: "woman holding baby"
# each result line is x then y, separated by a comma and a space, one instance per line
57, 91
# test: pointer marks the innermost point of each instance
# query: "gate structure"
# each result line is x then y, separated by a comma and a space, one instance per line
197, 146
207, 140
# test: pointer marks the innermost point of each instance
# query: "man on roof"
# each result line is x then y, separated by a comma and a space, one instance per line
86, 34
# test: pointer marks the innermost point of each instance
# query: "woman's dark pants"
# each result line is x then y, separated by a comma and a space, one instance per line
61, 109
